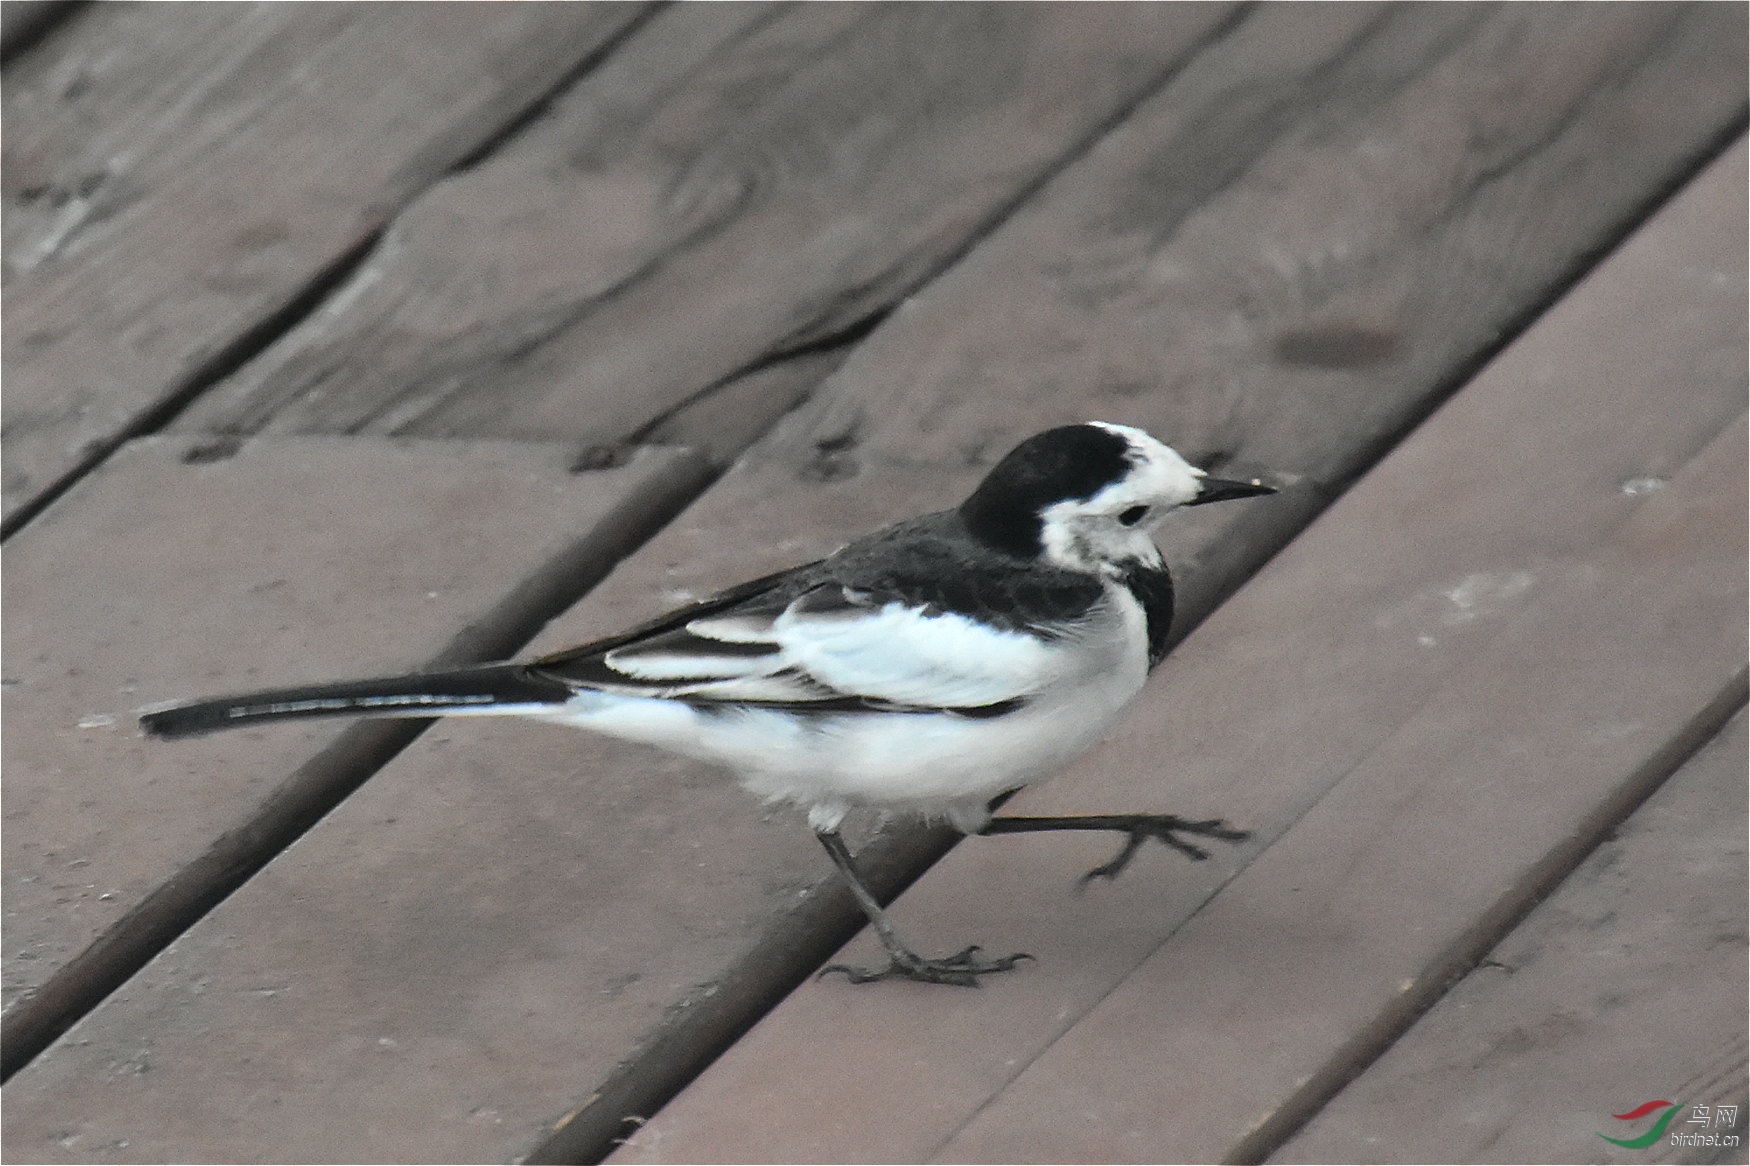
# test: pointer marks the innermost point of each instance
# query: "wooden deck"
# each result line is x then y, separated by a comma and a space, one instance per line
347, 338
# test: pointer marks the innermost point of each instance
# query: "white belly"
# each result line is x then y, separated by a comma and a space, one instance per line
928, 763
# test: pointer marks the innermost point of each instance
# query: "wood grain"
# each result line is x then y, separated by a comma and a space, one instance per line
534, 874
1386, 606
187, 568
1334, 937
177, 174
725, 192
1072, 310
1378, 219
1628, 979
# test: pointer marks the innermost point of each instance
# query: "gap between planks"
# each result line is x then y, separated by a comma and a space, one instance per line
332, 774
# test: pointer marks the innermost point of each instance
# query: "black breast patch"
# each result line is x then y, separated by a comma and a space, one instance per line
1153, 588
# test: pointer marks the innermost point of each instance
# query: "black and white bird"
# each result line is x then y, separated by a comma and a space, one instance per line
926, 668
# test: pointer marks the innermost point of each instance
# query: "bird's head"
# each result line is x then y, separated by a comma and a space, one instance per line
1085, 497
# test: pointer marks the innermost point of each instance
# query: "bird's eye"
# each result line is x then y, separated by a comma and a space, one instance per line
1133, 515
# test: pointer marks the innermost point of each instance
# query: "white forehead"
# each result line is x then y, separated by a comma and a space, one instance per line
1160, 477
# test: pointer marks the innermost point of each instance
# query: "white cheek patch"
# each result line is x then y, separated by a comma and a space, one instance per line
1083, 534
1057, 541
1078, 541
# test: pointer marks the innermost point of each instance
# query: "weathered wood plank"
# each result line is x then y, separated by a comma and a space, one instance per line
180, 569
1386, 601
177, 174
716, 196
650, 905
1423, 220
1333, 939
1626, 985
1372, 229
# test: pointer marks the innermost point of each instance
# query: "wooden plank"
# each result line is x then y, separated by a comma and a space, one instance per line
183, 568
1365, 238
1626, 985
1290, 689
724, 192
177, 174
650, 904
1239, 306
1335, 937
1568, 156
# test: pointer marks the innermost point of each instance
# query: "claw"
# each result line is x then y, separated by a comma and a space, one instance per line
1166, 828
962, 968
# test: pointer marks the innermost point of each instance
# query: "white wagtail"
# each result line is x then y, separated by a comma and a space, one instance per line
927, 668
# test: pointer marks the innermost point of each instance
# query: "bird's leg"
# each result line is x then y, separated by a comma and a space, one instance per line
963, 968
1138, 828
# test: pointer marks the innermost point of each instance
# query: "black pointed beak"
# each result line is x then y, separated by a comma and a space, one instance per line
1222, 489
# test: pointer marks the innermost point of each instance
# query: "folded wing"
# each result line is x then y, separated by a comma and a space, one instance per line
829, 648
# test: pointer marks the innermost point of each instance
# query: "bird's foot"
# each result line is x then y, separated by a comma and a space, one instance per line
962, 968
1165, 828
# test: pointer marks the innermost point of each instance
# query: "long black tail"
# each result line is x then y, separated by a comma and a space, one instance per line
430, 694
